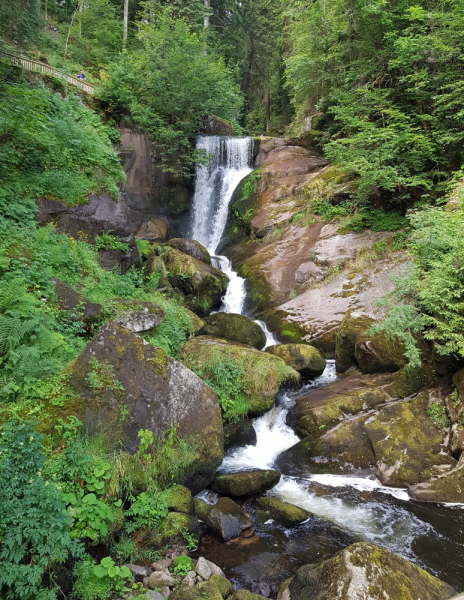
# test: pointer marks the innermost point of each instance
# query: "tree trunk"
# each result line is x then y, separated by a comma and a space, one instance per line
207, 7
126, 21
46, 14
80, 17
268, 106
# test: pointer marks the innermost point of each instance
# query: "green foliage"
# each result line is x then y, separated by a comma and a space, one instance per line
225, 376
119, 576
182, 565
146, 440
100, 378
126, 550
87, 586
438, 415
169, 85
91, 515
175, 328
376, 220
147, 510
51, 147
106, 241
34, 527
29, 346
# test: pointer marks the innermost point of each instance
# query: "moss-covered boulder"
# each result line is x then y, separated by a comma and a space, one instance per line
236, 328
225, 518
78, 307
246, 483
305, 359
282, 512
366, 571
197, 322
181, 500
192, 248
354, 345
202, 284
209, 590
408, 446
448, 487
239, 434
125, 384
171, 531
224, 585
344, 450
261, 373
138, 316
246, 595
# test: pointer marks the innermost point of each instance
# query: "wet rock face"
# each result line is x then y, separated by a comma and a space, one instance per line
156, 391
246, 483
239, 434
100, 214
79, 308
202, 284
192, 248
236, 328
366, 571
138, 316
150, 190
303, 358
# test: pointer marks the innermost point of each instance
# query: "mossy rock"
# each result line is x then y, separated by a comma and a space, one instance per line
197, 322
246, 483
170, 531
242, 209
239, 434
342, 450
141, 387
137, 315
406, 442
181, 500
201, 509
224, 585
406, 382
329, 184
78, 307
373, 354
184, 592
448, 487
366, 571
211, 589
283, 512
262, 373
234, 327
305, 359
246, 595
192, 248
202, 284
226, 518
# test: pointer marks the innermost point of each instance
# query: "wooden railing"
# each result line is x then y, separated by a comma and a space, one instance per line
39, 67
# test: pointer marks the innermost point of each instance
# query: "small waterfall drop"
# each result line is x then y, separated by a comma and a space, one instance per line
231, 162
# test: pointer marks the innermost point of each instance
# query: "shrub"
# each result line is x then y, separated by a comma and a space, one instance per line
34, 527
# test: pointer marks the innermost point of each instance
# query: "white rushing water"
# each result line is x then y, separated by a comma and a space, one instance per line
214, 186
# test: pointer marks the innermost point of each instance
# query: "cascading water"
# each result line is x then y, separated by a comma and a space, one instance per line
215, 184
362, 507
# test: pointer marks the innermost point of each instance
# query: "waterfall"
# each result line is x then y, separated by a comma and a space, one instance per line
231, 161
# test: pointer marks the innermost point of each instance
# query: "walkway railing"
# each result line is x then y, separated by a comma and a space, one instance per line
39, 67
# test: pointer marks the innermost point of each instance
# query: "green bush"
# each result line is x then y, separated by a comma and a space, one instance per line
34, 527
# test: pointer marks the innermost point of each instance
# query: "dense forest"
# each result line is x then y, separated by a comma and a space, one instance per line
374, 87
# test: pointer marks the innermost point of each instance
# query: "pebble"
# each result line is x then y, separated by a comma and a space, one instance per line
153, 595
138, 572
165, 592
203, 569
160, 579
161, 565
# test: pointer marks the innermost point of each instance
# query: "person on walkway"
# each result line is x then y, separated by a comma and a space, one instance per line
81, 75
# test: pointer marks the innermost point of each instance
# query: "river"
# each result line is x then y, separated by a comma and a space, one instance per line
343, 508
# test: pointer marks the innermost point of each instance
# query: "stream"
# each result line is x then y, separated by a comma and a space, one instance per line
343, 509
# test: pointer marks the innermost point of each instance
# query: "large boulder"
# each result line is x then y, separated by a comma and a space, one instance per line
170, 531
138, 386
236, 328
366, 571
246, 483
79, 308
261, 374
342, 450
239, 434
192, 248
116, 259
373, 354
213, 125
225, 517
202, 284
137, 315
448, 487
303, 358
